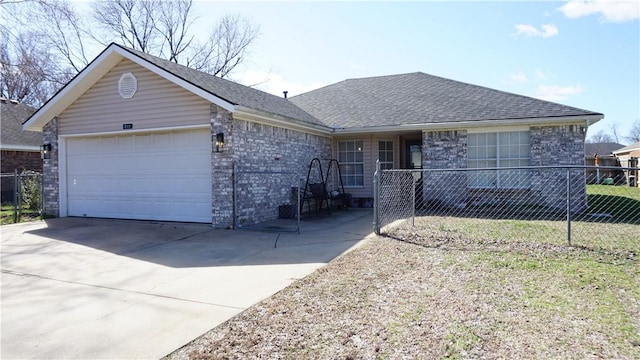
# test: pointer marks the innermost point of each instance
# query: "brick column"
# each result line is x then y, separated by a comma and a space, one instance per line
222, 169
50, 174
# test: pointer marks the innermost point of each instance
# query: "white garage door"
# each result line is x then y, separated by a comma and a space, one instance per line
154, 176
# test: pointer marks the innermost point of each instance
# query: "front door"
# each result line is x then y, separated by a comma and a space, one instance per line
414, 155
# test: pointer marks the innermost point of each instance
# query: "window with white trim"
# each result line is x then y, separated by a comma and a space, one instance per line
351, 158
385, 154
498, 150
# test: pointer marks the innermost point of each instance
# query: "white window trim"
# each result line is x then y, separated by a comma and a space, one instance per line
352, 163
393, 152
498, 186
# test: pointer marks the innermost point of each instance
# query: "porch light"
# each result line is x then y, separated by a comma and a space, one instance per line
219, 142
45, 151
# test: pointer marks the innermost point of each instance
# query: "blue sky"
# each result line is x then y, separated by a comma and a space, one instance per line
583, 54
589, 60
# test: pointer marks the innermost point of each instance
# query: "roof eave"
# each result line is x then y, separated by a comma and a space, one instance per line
102, 64
250, 114
587, 119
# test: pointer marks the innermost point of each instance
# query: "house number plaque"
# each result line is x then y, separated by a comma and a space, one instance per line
127, 126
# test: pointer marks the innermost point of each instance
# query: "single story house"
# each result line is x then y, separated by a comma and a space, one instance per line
629, 157
137, 137
19, 149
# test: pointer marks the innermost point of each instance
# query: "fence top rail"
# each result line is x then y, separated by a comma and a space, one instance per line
561, 167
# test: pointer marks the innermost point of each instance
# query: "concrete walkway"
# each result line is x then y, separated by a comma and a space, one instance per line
107, 289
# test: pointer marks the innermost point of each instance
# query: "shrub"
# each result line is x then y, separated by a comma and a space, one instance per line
30, 189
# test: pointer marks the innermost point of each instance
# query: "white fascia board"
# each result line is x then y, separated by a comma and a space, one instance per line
625, 150
249, 114
588, 119
19, 147
94, 72
74, 89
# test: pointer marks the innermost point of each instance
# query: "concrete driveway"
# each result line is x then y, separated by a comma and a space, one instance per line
108, 289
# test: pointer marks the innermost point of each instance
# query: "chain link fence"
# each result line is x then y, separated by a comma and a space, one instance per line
578, 205
21, 196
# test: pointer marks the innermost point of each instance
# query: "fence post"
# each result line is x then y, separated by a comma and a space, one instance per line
234, 177
413, 200
569, 206
376, 199
16, 194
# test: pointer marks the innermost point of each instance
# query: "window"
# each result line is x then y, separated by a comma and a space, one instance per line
498, 150
351, 158
385, 154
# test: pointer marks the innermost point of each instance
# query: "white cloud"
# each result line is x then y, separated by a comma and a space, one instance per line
546, 31
557, 93
540, 75
274, 83
517, 78
609, 10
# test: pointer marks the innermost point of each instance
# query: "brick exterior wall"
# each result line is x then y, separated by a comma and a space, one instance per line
444, 150
222, 168
264, 148
20, 160
16, 160
550, 145
558, 145
50, 170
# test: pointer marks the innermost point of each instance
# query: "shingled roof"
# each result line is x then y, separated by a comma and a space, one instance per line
230, 91
418, 98
12, 136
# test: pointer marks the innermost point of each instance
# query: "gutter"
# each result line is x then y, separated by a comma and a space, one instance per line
590, 119
250, 114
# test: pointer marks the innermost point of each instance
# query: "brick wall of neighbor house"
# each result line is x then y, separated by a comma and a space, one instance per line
16, 160
444, 150
20, 160
558, 145
260, 147
50, 170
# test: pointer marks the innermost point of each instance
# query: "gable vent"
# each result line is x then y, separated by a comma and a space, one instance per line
127, 85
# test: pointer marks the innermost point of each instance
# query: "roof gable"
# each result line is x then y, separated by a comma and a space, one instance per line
418, 98
226, 94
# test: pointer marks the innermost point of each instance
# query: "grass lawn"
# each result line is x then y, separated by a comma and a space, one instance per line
6, 215
454, 288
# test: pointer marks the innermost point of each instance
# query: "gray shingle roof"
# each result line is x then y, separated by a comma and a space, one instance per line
633, 146
230, 91
602, 149
13, 114
418, 98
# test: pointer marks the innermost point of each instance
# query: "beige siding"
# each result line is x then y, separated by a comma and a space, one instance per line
157, 103
370, 143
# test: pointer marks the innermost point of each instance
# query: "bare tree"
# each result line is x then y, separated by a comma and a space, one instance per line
614, 132
600, 137
41, 48
27, 72
634, 133
163, 28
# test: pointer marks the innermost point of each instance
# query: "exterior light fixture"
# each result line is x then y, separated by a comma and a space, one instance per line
45, 151
219, 142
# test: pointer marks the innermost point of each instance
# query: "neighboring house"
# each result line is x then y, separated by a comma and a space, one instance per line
629, 157
134, 136
19, 149
605, 159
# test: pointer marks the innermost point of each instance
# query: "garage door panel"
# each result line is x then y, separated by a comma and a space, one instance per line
155, 176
